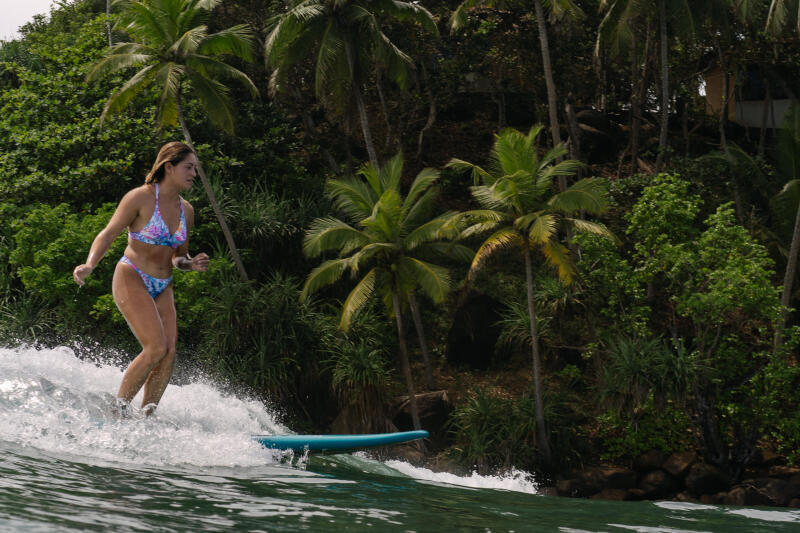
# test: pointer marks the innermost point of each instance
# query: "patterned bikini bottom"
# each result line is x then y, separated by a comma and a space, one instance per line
154, 286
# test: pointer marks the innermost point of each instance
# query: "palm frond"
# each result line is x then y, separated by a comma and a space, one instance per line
391, 173
432, 279
448, 250
214, 97
558, 256
326, 234
188, 42
589, 194
357, 298
236, 41
354, 197
432, 230
325, 274
120, 98
541, 227
420, 211
115, 62
502, 239
168, 77
585, 226
475, 171
211, 68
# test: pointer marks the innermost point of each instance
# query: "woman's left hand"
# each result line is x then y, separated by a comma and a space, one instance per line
199, 263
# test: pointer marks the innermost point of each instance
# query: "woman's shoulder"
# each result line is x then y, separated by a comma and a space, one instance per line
141, 193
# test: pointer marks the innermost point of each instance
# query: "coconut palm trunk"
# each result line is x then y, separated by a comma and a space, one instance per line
406, 367
426, 356
552, 98
541, 432
662, 138
108, 23
788, 278
213, 200
360, 106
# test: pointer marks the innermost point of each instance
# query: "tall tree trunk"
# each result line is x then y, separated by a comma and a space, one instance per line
362, 109
406, 367
726, 88
552, 98
431, 111
662, 138
426, 356
788, 278
541, 432
636, 111
108, 23
213, 201
762, 138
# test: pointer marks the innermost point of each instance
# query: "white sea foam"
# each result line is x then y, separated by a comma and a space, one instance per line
55, 402
516, 480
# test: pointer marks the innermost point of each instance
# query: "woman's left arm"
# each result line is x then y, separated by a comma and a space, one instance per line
181, 258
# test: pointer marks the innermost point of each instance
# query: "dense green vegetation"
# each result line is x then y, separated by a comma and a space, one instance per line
591, 300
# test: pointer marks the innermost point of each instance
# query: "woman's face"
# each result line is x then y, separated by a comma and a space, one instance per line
183, 172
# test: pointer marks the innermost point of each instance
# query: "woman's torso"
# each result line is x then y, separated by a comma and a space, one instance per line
161, 226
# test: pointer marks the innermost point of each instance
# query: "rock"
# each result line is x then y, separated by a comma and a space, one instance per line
651, 460
685, 497
783, 471
712, 499
744, 495
636, 495
564, 487
776, 492
618, 478
678, 464
706, 479
434, 411
658, 484
770, 459
547, 491
607, 493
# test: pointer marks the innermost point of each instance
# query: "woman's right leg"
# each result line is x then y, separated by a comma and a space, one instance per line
139, 309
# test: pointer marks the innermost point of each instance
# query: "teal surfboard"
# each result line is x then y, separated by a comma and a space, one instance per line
337, 443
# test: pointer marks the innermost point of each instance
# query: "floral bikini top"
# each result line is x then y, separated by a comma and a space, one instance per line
157, 232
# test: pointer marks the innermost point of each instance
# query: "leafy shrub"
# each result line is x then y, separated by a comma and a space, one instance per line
668, 430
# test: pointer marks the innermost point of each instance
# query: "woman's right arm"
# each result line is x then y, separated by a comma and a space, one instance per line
124, 215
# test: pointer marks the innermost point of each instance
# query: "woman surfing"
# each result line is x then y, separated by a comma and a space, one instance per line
158, 222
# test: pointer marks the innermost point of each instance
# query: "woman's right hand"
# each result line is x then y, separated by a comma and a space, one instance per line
80, 273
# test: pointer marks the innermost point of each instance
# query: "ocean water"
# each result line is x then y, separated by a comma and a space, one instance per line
66, 465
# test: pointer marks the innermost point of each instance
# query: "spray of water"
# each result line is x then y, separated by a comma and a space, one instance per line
56, 403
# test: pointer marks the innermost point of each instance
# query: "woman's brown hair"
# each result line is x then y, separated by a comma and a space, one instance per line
173, 152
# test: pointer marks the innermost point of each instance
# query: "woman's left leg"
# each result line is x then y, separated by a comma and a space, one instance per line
160, 375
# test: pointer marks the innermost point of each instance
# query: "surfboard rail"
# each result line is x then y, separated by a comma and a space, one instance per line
340, 443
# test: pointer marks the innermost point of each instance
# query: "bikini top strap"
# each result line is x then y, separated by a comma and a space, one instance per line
157, 209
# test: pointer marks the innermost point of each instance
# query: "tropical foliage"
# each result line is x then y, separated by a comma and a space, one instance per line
663, 337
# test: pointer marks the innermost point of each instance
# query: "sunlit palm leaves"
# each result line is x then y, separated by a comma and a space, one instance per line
521, 213
518, 204
388, 240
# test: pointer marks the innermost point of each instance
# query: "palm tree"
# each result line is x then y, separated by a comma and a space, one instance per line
385, 244
781, 14
558, 9
678, 15
787, 202
172, 46
344, 40
521, 213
